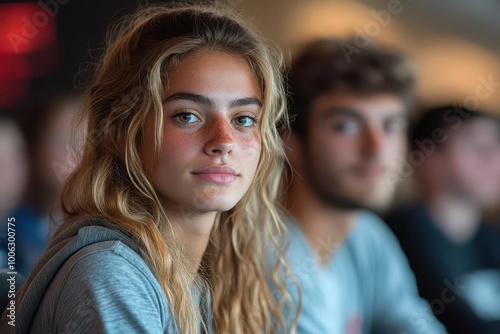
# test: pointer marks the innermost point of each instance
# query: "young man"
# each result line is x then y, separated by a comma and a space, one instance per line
348, 135
454, 253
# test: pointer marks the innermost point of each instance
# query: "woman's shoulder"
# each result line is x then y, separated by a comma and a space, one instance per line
107, 252
110, 264
109, 283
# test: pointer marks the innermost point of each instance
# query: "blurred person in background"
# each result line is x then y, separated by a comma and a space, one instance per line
13, 176
349, 131
493, 214
454, 253
45, 123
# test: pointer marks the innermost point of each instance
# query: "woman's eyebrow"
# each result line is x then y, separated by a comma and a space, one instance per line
197, 98
206, 101
245, 102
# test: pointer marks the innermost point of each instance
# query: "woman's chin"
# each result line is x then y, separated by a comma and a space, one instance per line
217, 206
216, 200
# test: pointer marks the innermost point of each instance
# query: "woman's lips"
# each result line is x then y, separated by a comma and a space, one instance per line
217, 174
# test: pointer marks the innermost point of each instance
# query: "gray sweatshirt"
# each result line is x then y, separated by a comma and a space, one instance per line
92, 279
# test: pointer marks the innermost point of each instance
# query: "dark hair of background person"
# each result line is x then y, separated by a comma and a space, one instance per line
442, 118
332, 64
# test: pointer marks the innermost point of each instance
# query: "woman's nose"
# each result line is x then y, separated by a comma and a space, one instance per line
220, 137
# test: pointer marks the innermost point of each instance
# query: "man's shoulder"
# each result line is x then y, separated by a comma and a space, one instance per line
371, 239
370, 226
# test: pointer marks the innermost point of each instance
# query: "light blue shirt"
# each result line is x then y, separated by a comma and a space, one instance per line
366, 287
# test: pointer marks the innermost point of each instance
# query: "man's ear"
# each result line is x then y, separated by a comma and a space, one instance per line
293, 148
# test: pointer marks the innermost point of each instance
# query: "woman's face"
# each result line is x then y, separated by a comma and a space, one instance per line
211, 140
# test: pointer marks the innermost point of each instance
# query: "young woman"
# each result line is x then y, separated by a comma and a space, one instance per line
170, 214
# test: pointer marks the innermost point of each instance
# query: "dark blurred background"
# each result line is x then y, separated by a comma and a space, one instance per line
49, 46
454, 41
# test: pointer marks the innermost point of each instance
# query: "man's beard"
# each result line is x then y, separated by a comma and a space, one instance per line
334, 199
328, 193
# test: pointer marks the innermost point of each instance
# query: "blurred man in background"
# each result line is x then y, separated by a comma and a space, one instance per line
350, 106
454, 253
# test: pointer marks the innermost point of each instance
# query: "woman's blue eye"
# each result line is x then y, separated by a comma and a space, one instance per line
245, 121
186, 117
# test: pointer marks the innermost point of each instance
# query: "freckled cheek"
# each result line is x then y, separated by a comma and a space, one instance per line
250, 149
177, 147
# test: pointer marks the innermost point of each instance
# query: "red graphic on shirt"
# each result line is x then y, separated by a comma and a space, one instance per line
353, 325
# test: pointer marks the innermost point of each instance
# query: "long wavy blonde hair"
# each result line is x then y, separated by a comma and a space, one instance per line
111, 183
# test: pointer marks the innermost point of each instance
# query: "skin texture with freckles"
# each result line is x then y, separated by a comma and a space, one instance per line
211, 111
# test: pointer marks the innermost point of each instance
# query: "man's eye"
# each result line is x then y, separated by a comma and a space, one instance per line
346, 127
245, 121
186, 117
394, 127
